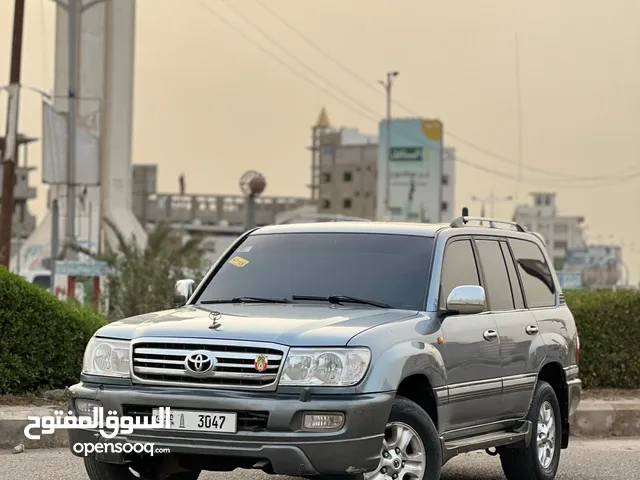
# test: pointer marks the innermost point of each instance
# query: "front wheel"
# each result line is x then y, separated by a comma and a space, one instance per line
539, 460
411, 449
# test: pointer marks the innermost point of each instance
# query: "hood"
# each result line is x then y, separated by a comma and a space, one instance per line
291, 325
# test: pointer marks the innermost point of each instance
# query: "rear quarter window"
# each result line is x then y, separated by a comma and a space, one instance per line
537, 280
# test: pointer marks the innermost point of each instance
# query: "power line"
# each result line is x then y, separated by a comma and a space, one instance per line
543, 181
559, 181
300, 62
456, 137
267, 52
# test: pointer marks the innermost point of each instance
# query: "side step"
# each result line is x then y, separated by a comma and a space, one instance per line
519, 435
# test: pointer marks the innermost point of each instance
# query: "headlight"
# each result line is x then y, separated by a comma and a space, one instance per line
336, 367
106, 357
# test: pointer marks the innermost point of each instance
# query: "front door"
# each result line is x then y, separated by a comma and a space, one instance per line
472, 347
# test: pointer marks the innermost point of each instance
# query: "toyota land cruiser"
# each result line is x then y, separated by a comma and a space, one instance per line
352, 350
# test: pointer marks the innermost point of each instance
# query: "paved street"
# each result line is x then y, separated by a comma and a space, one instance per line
585, 460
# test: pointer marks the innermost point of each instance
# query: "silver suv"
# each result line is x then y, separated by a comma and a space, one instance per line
346, 350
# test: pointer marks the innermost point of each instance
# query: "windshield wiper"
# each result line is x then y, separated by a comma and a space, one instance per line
339, 299
248, 300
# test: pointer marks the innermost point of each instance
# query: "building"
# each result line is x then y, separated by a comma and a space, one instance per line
24, 223
560, 232
599, 266
346, 176
347, 170
221, 218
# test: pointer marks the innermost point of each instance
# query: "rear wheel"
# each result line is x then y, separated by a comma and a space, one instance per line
539, 460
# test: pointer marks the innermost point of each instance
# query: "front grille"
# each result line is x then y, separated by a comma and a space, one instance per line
163, 363
247, 421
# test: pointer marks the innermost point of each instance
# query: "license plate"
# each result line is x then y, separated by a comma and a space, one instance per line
201, 421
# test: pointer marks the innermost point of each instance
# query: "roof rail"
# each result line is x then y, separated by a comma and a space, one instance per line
463, 221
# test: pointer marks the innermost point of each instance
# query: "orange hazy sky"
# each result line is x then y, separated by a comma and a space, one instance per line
211, 105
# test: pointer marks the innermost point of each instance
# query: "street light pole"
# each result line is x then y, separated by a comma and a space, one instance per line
491, 200
387, 87
72, 10
11, 145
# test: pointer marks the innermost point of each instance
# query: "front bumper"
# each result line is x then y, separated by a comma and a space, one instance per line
282, 443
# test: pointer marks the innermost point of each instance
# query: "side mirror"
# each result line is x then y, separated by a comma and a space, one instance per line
466, 300
183, 290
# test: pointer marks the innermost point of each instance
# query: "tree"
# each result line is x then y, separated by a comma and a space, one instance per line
142, 279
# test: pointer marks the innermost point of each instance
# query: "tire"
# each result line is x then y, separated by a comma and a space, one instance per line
524, 463
413, 419
110, 471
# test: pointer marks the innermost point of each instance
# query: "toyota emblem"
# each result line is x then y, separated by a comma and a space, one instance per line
199, 363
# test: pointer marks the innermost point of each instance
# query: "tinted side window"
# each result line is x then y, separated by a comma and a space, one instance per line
495, 275
459, 268
516, 288
539, 289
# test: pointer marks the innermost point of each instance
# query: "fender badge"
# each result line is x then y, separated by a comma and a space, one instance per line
214, 317
440, 340
261, 363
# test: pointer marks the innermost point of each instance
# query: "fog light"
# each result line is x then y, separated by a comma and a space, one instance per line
323, 421
86, 407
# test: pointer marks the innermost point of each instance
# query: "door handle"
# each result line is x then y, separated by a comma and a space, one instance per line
490, 335
531, 330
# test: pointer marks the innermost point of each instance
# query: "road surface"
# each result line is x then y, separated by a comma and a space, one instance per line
585, 460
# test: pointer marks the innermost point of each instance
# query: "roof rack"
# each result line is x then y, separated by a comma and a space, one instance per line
462, 222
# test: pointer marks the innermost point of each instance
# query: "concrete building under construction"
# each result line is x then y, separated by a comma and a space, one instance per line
344, 172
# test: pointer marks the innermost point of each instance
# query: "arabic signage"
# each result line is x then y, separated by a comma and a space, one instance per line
414, 170
404, 154
82, 269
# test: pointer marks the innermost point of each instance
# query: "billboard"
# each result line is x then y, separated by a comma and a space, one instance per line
414, 164
598, 265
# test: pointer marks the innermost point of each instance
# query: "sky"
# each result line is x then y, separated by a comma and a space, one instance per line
211, 104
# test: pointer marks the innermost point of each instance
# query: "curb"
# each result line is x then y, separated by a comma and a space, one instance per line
599, 418
594, 419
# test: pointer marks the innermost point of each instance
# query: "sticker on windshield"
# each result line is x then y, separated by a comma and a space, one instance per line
245, 249
238, 262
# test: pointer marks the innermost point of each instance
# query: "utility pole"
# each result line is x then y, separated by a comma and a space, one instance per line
11, 145
72, 10
388, 85
491, 200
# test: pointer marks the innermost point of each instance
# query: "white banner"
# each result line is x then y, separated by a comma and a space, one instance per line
54, 151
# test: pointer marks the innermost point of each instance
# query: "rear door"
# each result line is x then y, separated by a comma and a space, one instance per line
518, 342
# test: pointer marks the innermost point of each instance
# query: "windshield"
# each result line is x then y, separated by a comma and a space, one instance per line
388, 269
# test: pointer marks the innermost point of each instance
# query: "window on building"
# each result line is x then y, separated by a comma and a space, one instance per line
459, 268
357, 194
561, 228
445, 179
367, 194
539, 288
325, 204
326, 177
495, 275
558, 263
560, 244
347, 176
346, 203
444, 206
